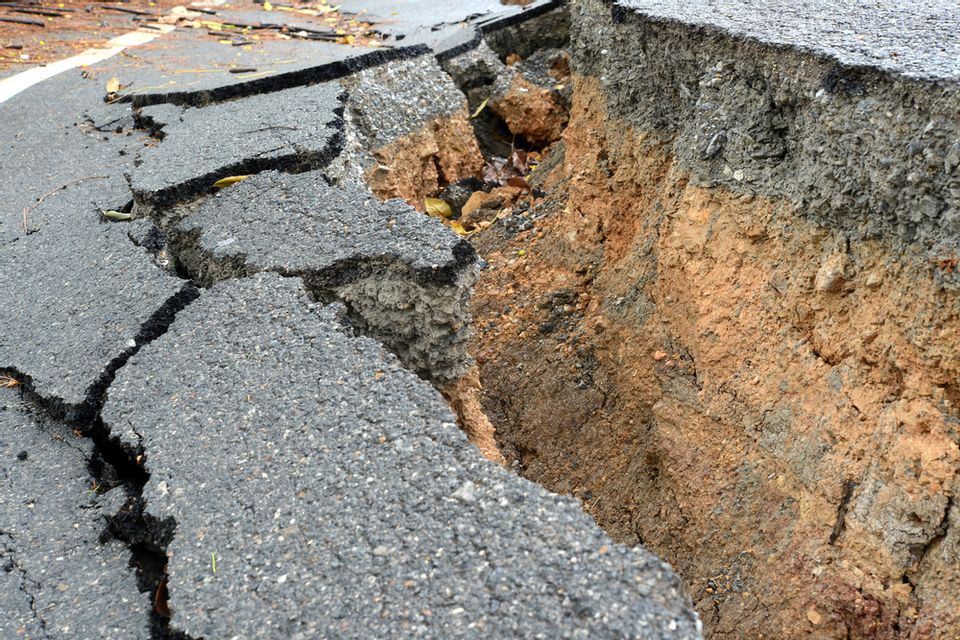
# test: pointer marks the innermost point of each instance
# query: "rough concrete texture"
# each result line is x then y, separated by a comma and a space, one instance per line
412, 130
80, 299
405, 278
473, 71
295, 130
861, 141
321, 490
532, 97
58, 580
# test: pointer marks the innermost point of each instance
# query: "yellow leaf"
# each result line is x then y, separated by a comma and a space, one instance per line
118, 215
437, 208
229, 180
457, 228
480, 108
267, 6
113, 85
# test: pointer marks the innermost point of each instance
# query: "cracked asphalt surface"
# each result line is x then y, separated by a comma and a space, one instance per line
274, 436
56, 574
310, 484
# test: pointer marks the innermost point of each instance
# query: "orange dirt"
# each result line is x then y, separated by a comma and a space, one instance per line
770, 410
416, 166
531, 111
464, 398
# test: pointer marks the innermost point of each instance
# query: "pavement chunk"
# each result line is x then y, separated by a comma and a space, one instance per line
320, 490
78, 297
404, 275
57, 580
895, 36
296, 129
412, 128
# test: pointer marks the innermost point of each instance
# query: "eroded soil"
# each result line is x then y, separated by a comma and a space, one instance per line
769, 408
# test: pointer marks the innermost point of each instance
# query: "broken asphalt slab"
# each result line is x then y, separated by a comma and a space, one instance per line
294, 130
80, 299
57, 580
405, 278
321, 490
916, 40
190, 67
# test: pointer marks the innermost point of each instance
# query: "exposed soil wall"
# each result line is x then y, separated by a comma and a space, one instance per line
726, 315
768, 405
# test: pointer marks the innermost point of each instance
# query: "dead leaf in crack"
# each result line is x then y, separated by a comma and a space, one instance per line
457, 228
8, 383
519, 183
437, 208
113, 84
119, 216
482, 106
229, 180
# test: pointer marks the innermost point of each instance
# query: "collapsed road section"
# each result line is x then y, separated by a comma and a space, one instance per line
729, 322
712, 252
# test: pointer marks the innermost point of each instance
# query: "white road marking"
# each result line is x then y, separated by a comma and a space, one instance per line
13, 85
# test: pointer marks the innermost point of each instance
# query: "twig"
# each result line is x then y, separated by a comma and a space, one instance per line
36, 204
136, 12
39, 12
32, 23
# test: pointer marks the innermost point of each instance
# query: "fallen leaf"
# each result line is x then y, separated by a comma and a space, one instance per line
437, 208
229, 180
457, 227
518, 182
267, 6
519, 160
117, 215
482, 106
113, 85
8, 383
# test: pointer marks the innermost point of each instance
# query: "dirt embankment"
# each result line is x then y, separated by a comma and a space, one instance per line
767, 407
725, 320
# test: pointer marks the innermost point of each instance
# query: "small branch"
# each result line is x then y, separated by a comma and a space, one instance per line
32, 23
36, 204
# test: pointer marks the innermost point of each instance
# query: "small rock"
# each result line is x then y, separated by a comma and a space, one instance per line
467, 492
830, 275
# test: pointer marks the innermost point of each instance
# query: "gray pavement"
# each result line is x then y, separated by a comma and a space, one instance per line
320, 490
294, 130
81, 294
914, 39
405, 278
57, 579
